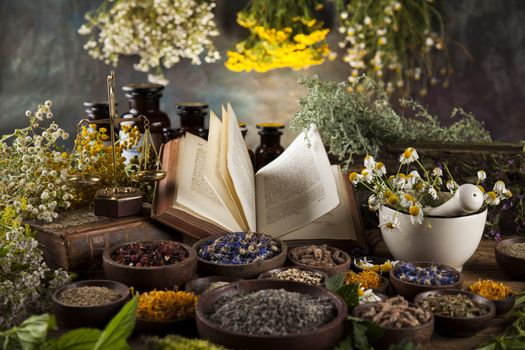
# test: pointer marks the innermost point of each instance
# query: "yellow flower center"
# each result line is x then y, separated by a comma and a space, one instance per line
393, 199
407, 154
414, 210
353, 176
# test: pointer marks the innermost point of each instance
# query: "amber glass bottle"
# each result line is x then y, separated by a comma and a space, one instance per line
270, 147
192, 115
144, 99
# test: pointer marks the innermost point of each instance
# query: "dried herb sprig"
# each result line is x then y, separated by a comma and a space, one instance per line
360, 122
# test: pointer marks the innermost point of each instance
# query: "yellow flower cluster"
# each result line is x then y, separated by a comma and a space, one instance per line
490, 289
298, 46
166, 305
97, 155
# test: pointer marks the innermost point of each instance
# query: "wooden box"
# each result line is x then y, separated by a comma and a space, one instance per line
76, 239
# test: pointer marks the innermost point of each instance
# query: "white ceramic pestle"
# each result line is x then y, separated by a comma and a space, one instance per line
467, 199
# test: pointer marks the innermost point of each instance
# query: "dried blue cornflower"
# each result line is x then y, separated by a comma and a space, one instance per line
239, 248
433, 275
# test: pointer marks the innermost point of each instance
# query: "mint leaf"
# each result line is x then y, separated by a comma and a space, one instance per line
345, 344
335, 282
349, 294
119, 328
77, 339
364, 333
32, 333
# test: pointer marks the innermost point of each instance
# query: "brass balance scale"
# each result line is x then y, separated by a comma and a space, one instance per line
119, 201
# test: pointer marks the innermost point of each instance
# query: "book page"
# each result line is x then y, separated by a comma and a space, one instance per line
213, 172
193, 190
240, 169
336, 224
296, 188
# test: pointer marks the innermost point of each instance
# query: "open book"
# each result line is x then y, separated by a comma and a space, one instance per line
297, 196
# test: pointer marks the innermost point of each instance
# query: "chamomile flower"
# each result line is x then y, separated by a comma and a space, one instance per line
409, 156
369, 162
452, 185
380, 169
367, 175
499, 187
373, 203
433, 193
416, 214
389, 223
482, 175
491, 198
437, 172
355, 177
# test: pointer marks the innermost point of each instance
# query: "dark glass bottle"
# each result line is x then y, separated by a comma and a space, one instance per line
192, 115
244, 131
144, 99
270, 147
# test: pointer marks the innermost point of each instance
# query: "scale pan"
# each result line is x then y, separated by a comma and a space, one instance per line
83, 180
149, 176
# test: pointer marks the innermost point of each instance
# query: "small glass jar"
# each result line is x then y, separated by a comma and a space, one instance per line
244, 131
144, 99
192, 116
270, 147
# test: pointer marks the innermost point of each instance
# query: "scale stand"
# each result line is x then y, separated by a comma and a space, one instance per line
118, 201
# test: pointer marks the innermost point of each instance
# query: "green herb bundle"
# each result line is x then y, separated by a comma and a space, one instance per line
360, 122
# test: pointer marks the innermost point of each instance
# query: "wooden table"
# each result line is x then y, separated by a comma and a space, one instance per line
482, 265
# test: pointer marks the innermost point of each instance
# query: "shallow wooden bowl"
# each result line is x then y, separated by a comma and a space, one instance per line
143, 279
266, 275
513, 266
325, 337
245, 271
330, 271
383, 288
505, 305
419, 335
460, 326
199, 285
70, 317
409, 290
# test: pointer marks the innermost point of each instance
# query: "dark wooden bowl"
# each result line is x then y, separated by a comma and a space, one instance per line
513, 266
330, 271
148, 278
266, 275
505, 305
460, 326
325, 337
383, 288
185, 327
409, 290
419, 335
378, 260
199, 285
244, 271
70, 317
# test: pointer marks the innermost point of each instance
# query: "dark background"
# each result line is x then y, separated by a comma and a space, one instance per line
41, 57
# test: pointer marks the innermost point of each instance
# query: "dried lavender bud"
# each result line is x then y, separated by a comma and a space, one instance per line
433, 275
239, 248
318, 256
88, 296
454, 305
297, 275
150, 253
396, 313
271, 312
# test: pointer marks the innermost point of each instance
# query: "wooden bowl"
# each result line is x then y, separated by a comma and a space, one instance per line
330, 271
148, 278
70, 317
460, 326
505, 305
199, 285
409, 290
185, 327
266, 275
377, 260
513, 266
419, 335
244, 271
325, 337
383, 288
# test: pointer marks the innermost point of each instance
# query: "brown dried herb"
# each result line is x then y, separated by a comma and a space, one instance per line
150, 253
